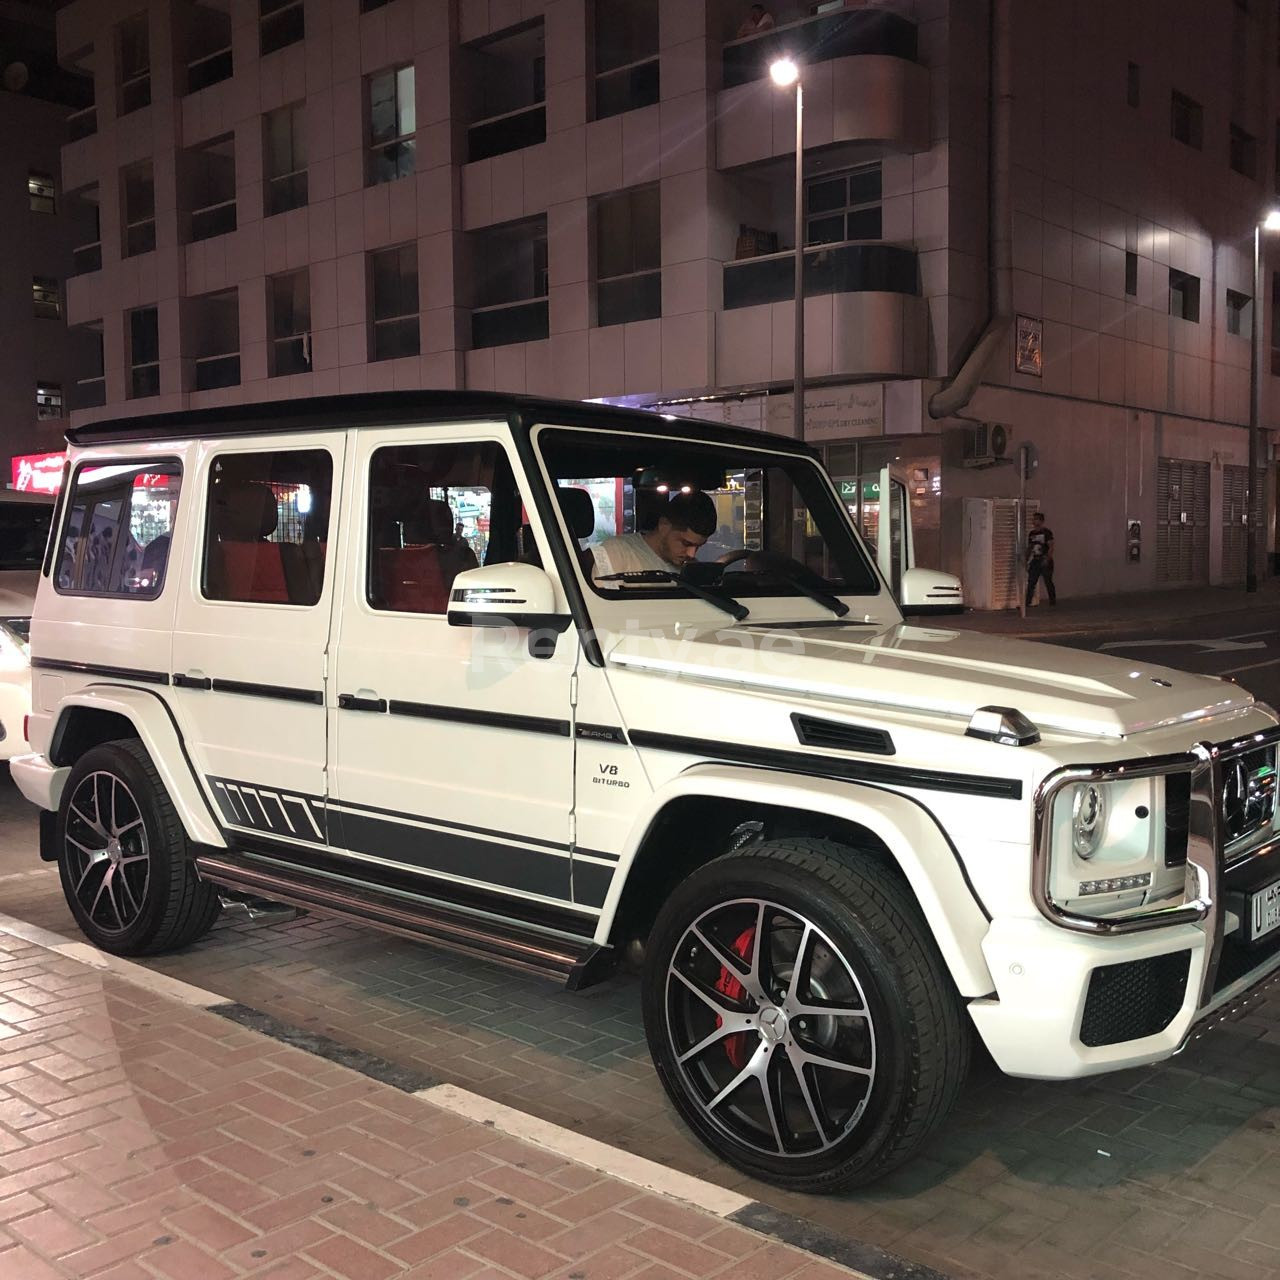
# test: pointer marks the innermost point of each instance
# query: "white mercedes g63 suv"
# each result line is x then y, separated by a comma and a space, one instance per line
552, 683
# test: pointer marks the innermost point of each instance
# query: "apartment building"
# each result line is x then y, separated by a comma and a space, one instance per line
1024, 225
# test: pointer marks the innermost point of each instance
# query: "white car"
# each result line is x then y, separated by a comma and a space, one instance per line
24, 531
556, 684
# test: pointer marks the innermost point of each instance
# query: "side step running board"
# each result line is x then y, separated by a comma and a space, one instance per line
576, 963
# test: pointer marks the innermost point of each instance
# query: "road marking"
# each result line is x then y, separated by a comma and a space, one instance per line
1227, 644
1253, 666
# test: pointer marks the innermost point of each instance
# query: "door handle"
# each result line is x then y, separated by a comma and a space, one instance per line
192, 680
354, 702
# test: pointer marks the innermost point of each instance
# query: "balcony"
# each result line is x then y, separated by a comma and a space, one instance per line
513, 131
209, 69
852, 267
86, 258
844, 34
213, 220
497, 326
213, 372
82, 124
89, 393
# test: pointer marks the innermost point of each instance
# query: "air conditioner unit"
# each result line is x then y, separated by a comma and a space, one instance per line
994, 570
985, 444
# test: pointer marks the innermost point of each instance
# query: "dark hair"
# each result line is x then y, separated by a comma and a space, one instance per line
693, 511
1037, 515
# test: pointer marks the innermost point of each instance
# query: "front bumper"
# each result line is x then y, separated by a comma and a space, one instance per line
15, 706
1079, 995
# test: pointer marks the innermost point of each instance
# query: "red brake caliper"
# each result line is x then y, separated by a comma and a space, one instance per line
727, 985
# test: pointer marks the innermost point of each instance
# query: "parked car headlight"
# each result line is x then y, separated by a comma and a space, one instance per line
1114, 847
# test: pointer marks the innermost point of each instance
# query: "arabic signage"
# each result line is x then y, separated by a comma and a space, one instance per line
38, 472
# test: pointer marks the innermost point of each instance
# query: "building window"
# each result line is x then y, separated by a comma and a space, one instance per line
42, 193
368, 6
215, 319
139, 209
268, 512
1244, 152
843, 206
289, 301
1187, 120
86, 345
1131, 274
144, 353
509, 270
286, 159
280, 23
1239, 314
45, 297
394, 279
133, 52
628, 253
87, 254
48, 401
1184, 296
391, 125
1133, 85
208, 47
119, 529
626, 55
505, 76
209, 188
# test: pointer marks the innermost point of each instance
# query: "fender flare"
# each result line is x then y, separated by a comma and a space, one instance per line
909, 831
158, 731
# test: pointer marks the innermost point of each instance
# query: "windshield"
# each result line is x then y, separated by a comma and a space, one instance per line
746, 522
24, 530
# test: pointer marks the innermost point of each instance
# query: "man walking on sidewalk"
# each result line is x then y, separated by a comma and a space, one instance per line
1040, 559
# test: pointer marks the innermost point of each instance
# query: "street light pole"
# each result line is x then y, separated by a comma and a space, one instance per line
786, 72
1271, 222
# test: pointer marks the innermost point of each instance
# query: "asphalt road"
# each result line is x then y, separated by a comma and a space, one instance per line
1171, 1171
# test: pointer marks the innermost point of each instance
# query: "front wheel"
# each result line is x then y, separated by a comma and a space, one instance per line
800, 1016
123, 859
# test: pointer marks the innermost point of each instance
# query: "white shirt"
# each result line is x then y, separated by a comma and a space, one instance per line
627, 553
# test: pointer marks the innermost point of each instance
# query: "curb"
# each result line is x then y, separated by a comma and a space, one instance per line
863, 1261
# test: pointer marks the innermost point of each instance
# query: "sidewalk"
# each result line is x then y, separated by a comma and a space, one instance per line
1121, 613
144, 1137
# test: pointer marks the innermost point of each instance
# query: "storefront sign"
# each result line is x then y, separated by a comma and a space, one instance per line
870, 490
38, 472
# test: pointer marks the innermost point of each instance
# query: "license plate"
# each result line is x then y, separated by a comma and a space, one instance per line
1264, 912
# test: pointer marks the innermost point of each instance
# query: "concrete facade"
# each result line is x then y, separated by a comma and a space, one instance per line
891, 317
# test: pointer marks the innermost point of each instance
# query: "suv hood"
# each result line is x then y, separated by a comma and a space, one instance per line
18, 592
938, 672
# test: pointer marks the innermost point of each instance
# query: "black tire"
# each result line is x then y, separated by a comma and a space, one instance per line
123, 856
904, 1058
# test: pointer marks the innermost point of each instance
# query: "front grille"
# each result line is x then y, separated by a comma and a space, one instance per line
1248, 797
1135, 999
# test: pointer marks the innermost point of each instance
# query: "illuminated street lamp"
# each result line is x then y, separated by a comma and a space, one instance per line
785, 72
1269, 222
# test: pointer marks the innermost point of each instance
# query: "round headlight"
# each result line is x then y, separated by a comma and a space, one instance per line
1088, 819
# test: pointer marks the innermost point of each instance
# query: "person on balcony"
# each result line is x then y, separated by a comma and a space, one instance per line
756, 22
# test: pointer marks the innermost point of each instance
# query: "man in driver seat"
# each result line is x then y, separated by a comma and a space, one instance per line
685, 523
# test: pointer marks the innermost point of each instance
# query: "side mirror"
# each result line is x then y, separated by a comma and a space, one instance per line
928, 591
509, 595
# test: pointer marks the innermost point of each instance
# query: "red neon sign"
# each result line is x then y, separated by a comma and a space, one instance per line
38, 472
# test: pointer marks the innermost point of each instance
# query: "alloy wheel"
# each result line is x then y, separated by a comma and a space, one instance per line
105, 845
770, 1028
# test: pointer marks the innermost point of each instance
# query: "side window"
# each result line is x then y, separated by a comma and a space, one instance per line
434, 511
267, 527
119, 521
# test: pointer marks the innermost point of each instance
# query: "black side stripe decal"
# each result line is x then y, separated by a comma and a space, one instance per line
99, 669
280, 692
826, 767
467, 715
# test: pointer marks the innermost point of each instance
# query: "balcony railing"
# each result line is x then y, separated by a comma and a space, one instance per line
622, 299
291, 355
852, 267
135, 93
213, 220
82, 124
627, 88
89, 393
496, 326
139, 236
144, 380
209, 69
830, 35
86, 258
217, 371
286, 191
512, 131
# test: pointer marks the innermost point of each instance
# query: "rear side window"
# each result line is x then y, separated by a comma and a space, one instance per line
267, 527
119, 522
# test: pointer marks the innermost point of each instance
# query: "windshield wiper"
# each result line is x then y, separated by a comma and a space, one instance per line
725, 603
797, 575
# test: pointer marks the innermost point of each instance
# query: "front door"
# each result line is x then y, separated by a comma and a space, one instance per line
451, 751
251, 630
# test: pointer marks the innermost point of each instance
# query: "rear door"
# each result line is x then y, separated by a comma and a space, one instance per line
250, 637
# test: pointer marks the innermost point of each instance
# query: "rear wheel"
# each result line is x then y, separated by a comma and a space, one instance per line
800, 1017
123, 858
